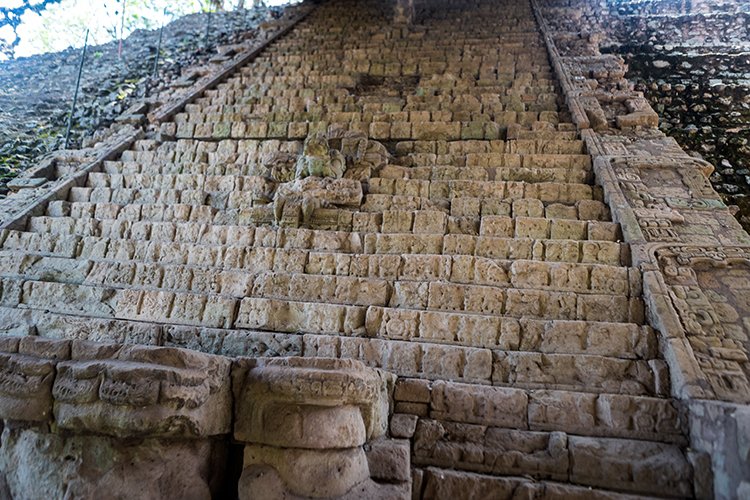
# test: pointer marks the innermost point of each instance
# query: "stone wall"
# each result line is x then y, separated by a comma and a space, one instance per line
85, 420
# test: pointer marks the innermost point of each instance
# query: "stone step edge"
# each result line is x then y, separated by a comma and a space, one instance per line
395, 321
436, 482
630, 286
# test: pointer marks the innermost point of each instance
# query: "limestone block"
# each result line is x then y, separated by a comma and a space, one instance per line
529, 274
560, 211
573, 372
528, 208
605, 231
408, 243
532, 228
68, 298
610, 279
570, 276
603, 308
495, 207
430, 222
397, 221
637, 466
592, 210
446, 296
129, 391
270, 472
409, 294
425, 267
27, 371
446, 483
41, 465
494, 225
389, 459
492, 406
484, 299
403, 425
413, 390
432, 131
466, 207
491, 449
563, 229
600, 252
309, 403
284, 316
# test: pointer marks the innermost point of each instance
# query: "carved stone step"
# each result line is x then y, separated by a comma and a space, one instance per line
581, 413
652, 468
550, 192
167, 241
545, 337
248, 262
526, 174
511, 333
585, 373
435, 222
449, 483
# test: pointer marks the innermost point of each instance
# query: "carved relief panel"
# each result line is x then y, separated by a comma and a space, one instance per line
709, 288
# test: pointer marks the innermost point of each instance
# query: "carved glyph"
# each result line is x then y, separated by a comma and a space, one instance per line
709, 288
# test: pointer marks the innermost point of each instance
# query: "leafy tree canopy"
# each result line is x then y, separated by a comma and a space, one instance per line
63, 21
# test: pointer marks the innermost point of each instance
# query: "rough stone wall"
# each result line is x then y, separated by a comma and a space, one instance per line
691, 61
469, 201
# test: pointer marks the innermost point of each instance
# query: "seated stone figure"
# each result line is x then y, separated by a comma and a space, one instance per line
318, 180
359, 151
319, 160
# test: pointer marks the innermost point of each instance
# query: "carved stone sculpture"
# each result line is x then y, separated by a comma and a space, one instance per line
305, 422
319, 160
317, 181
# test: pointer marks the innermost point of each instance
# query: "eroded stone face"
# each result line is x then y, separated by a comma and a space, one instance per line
310, 403
42, 465
131, 391
27, 371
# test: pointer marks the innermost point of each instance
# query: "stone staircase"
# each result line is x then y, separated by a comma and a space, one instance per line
481, 266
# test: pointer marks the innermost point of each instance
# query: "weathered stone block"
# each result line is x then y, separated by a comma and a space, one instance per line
27, 371
389, 459
41, 465
129, 391
637, 466
309, 403
301, 472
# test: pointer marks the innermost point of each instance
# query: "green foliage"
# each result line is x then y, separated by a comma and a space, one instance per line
12, 16
61, 23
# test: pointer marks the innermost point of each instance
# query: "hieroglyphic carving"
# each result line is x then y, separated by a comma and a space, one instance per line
659, 188
710, 290
27, 370
124, 390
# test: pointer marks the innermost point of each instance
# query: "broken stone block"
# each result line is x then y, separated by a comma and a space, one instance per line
129, 391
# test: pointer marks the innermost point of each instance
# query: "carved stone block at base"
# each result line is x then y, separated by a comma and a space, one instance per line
306, 473
40, 465
306, 422
27, 371
309, 403
130, 391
